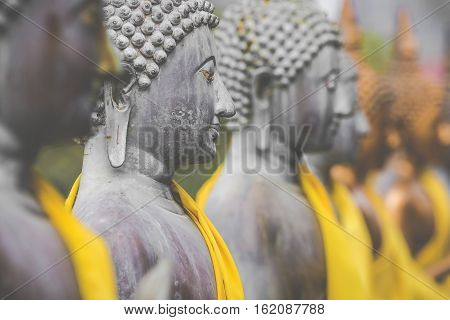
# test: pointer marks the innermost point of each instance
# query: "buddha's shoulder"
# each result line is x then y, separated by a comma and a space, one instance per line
242, 184
29, 244
260, 195
129, 212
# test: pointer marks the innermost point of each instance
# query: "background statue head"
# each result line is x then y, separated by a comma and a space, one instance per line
353, 124
375, 96
280, 62
418, 100
170, 97
50, 53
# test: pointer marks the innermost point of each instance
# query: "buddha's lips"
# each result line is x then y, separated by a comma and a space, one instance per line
334, 127
215, 131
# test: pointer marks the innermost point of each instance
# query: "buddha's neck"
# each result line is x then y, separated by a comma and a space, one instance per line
276, 162
138, 165
15, 160
320, 167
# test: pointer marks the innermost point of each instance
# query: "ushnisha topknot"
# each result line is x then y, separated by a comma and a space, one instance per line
145, 32
282, 35
9, 8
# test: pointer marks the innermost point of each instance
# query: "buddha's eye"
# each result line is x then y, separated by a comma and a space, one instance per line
331, 81
208, 70
209, 76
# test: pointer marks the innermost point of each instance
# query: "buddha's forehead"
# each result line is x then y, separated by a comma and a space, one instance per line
200, 44
326, 61
195, 49
347, 67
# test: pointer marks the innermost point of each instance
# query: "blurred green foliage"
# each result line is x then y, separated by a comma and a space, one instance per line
61, 163
376, 50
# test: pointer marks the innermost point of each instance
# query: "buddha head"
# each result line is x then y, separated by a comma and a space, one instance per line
169, 99
353, 124
375, 96
418, 100
280, 61
50, 54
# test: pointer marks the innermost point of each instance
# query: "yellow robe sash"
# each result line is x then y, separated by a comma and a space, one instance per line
88, 252
437, 248
360, 242
228, 281
396, 275
344, 269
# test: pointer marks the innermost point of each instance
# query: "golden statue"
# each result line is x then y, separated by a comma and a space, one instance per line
376, 98
414, 195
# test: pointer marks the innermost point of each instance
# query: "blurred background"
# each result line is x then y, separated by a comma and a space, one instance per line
62, 163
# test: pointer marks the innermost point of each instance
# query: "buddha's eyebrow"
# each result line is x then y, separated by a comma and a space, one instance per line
334, 71
211, 58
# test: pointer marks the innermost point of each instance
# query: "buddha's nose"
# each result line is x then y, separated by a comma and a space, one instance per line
108, 63
224, 106
344, 106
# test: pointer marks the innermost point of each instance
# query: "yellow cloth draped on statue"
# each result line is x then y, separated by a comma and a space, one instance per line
88, 252
228, 281
347, 274
396, 275
437, 248
360, 242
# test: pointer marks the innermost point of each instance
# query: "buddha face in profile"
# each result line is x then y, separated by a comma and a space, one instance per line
49, 62
353, 125
280, 62
311, 102
170, 87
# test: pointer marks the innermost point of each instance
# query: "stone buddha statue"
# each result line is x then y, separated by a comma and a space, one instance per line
334, 169
280, 61
163, 113
375, 98
410, 135
353, 127
46, 81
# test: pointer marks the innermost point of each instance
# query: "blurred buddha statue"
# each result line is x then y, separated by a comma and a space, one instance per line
374, 98
441, 150
415, 197
163, 113
395, 274
441, 163
332, 168
49, 60
280, 61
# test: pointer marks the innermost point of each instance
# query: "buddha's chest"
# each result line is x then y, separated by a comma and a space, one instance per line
155, 235
275, 241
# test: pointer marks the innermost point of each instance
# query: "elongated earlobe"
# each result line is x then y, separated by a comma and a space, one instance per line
261, 92
117, 119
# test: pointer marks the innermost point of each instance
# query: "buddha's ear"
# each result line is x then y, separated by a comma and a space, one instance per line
117, 98
262, 90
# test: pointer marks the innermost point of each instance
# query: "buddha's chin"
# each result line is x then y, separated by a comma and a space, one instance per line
209, 150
